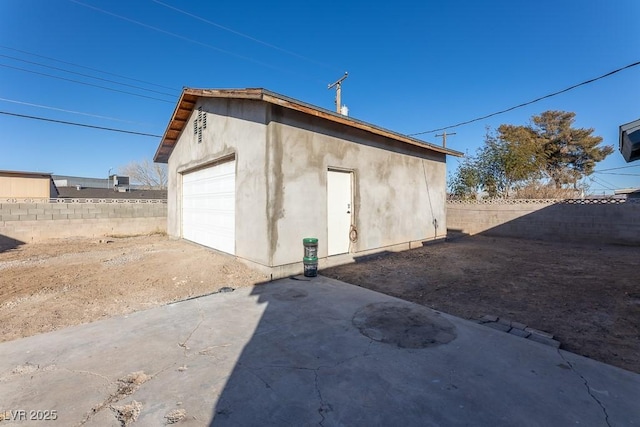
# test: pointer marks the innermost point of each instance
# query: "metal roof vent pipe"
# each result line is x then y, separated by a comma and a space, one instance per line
78, 187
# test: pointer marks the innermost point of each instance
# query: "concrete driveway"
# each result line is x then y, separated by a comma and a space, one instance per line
294, 352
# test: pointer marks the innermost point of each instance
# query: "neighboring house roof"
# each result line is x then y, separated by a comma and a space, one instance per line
629, 192
189, 97
26, 174
630, 141
107, 193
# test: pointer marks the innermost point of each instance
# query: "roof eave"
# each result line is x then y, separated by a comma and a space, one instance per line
189, 97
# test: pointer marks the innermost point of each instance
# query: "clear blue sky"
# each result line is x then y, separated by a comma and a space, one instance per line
413, 66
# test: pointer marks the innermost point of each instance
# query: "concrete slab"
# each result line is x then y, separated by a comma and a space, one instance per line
292, 352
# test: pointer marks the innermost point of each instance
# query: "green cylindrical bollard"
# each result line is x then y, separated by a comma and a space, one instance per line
310, 266
310, 247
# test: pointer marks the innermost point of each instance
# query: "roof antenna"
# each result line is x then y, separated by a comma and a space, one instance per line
338, 85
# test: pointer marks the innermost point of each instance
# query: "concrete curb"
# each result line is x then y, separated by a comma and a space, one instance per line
518, 329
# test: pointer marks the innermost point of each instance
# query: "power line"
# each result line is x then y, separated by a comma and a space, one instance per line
85, 83
88, 68
79, 124
246, 36
602, 182
613, 173
246, 58
532, 101
86, 75
615, 169
606, 182
67, 111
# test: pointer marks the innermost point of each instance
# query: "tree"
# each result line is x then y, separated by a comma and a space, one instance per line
146, 173
465, 183
499, 166
514, 157
570, 153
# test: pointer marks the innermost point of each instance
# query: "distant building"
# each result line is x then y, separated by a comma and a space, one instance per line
120, 183
27, 185
115, 187
630, 193
83, 182
630, 141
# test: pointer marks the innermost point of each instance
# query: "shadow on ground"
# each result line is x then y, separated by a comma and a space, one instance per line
7, 243
585, 294
326, 353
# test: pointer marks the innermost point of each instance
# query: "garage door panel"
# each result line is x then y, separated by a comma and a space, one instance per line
208, 207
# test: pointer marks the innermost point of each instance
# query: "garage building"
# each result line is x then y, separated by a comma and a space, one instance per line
252, 172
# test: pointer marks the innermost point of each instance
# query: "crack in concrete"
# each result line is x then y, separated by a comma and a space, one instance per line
201, 316
451, 385
95, 374
161, 371
252, 372
366, 352
209, 351
319, 393
324, 406
588, 387
26, 369
126, 386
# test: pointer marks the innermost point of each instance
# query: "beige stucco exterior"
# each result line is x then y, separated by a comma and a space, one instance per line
282, 159
25, 185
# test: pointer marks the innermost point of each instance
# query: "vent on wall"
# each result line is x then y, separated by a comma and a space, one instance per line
200, 123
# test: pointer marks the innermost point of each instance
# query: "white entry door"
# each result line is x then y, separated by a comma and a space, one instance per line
339, 211
208, 206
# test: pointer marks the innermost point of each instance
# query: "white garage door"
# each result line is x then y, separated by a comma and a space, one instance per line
208, 206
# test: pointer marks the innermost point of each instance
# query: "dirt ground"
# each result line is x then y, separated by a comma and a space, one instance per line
588, 296
63, 282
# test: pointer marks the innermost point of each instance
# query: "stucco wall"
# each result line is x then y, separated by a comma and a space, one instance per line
282, 158
594, 221
396, 195
32, 222
234, 128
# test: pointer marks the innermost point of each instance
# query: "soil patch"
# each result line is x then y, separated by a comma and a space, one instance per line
62, 282
587, 296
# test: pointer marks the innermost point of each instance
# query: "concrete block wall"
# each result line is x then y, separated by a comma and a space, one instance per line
592, 221
32, 222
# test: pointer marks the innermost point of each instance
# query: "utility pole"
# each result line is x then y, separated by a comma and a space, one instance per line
444, 138
338, 85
